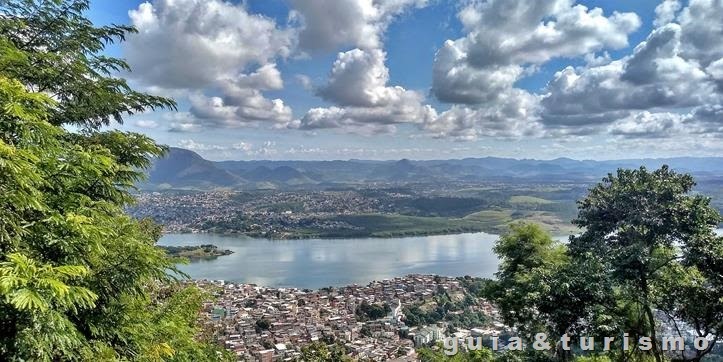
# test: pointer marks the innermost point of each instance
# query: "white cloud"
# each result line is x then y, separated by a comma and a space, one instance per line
504, 37
328, 24
456, 81
366, 104
505, 41
359, 78
196, 146
246, 148
193, 43
367, 121
207, 47
707, 120
715, 70
646, 94
502, 32
514, 116
665, 12
145, 123
647, 125
657, 78
223, 59
243, 103
181, 122
702, 29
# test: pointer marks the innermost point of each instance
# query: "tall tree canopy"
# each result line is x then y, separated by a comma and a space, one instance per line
655, 239
648, 256
79, 279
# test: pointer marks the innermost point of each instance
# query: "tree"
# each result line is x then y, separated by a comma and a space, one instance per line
79, 279
320, 352
427, 354
529, 258
656, 243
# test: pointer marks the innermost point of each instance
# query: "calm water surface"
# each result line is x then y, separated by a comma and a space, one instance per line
316, 263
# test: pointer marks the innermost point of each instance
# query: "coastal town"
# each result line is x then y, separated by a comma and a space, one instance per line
367, 211
258, 214
368, 322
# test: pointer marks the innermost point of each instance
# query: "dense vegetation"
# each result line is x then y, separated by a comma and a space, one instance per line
456, 312
369, 312
205, 251
79, 279
648, 255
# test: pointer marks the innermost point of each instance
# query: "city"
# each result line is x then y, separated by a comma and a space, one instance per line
274, 324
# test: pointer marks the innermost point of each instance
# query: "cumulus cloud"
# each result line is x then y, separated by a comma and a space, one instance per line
192, 43
181, 122
456, 81
702, 29
513, 116
249, 149
328, 24
365, 103
665, 12
648, 93
359, 78
223, 60
519, 32
715, 70
706, 119
243, 103
658, 77
208, 46
367, 120
183, 127
505, 41
505, 36
647, 125
146, 123
304, 81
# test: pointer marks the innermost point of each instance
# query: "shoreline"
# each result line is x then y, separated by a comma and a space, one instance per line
718, 231
327, 237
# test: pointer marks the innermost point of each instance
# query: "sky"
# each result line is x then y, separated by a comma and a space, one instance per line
427, 79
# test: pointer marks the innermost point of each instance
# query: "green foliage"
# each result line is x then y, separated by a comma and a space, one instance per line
655, 242
478, 287
79, 279
529, 260
593, 359
462, 317
366, 312
648, 247
61, 54
262, 325
434, 355
320, 352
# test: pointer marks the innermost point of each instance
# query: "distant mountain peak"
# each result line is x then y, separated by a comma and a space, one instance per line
183, 168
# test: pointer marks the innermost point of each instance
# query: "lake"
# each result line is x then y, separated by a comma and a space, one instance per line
316, 263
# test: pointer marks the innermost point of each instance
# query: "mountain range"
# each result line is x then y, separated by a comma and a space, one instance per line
182, 168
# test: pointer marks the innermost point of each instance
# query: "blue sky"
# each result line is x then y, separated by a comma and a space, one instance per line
424, 79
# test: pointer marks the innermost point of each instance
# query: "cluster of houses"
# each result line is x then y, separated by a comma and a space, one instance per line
274, 324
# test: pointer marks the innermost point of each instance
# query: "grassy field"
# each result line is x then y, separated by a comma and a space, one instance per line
384, 225
529, 200
497, 221
494, 221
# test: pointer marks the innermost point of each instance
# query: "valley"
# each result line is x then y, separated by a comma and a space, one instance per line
356, 199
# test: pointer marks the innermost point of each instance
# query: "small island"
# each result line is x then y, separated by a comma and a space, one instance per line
196, 252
